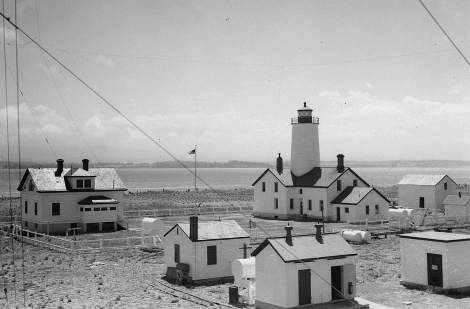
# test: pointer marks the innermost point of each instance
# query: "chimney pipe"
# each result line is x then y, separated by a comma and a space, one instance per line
289, 234
460, 194
318, 234
279, 164
193, 228
340, 166
60, 167
85, 164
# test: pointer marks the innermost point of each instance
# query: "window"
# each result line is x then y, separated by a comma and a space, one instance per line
367, 209
291, 203
80, 183
445, 185
96, 209
73, 225
177, 253
300, 191
104, 208
87, 209
81, 209
355, 183
112, 208
321, 205
346, 210
25, 207
276, 203
56, 209
26, 224
275, 187
211, 255
338, 185
309, 204
376, 209
87, 183
30, 186
35, 208
263, 186
36, 226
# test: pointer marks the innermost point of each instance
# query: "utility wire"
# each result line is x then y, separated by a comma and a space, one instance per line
161, 147
437, 23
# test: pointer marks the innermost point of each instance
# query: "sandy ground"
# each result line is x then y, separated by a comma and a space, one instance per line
130, 278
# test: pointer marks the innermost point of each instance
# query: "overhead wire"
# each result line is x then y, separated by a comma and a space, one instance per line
445, 33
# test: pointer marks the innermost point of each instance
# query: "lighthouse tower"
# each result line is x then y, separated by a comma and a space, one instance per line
305, 148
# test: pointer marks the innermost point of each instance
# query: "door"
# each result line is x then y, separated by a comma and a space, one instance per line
336, 286
435, 270
305, 293
421, 202
301, 207
338, 214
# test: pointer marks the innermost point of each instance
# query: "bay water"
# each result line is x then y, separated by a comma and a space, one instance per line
144, 179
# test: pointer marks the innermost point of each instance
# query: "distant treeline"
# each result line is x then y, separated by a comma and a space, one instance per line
243, 164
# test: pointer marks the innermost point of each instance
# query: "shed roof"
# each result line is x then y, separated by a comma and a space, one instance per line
98, 199
436, 236
456, 200
308, 248
422, 180
214, 230
44, 179
317, 177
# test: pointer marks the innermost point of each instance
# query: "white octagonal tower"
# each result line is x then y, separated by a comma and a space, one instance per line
305, 148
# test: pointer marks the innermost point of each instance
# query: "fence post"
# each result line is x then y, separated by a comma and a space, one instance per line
138, 211
169, 212
72, 243
101, 243
275, 231
154, 213
367, 224
347, 226
256, 232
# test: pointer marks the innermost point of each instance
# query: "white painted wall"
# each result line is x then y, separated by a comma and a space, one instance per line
408, 195
305, 148
264, 201
456, 270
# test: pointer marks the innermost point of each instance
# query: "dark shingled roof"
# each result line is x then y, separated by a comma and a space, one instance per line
308, 248
44, 179
215, 230
317, 177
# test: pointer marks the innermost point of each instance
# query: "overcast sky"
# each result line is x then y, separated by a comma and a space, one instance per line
227, 76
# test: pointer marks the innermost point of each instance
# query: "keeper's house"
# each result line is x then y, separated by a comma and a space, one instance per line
294, 272
57, 199
435, 260
206, 248
425, 191
309, 190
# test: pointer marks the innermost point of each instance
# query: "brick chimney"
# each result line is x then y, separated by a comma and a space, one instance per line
279, 166
318, 233
60, 167
289, 234
85, 164
340, 166
193, 228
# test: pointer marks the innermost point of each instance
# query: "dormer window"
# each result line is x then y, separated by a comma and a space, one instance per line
87, 183
79, 183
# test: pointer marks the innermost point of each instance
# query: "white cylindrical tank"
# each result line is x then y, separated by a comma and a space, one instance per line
402, 213
151, 224
243, 268
366, 236
350, 235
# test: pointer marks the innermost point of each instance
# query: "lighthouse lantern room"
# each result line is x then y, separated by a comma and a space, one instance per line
305, 148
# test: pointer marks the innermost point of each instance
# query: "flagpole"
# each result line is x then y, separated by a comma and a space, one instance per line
195, 162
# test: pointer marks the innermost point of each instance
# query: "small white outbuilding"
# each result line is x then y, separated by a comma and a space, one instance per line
304, 270
457, 207
205, 249
436, 260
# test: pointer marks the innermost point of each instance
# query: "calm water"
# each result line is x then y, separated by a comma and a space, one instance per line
227, 178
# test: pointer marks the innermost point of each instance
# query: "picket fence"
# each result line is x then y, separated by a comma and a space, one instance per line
207, 210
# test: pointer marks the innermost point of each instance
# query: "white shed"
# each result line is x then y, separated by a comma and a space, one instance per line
435, 259
425, 191
208, 248
302, 270
457, 207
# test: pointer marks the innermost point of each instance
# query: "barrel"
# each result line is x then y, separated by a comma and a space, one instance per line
152, 224
243, 268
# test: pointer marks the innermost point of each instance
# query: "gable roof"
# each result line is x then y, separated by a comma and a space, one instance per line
45, 181
456, 200
354, 195
308, 248
212, 230
322, 177
422, 180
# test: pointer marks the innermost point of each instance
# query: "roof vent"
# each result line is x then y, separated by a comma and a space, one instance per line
340, 166
85, 164
193, 228
279, 164
289, 234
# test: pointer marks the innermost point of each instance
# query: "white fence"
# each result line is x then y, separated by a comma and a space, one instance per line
70, 245
139, 213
